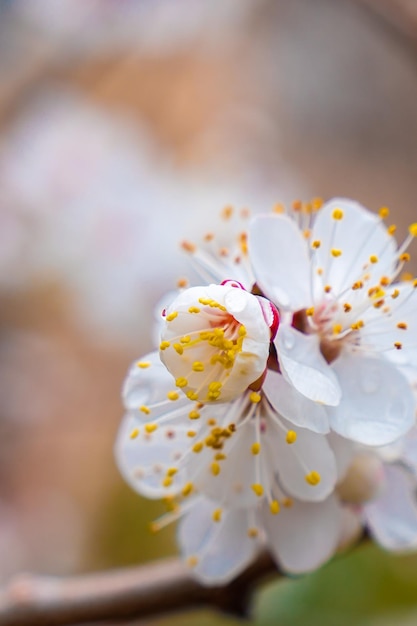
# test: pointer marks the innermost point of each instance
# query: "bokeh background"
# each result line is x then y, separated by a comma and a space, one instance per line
125, 127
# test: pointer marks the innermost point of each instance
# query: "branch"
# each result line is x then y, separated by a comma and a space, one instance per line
160, 587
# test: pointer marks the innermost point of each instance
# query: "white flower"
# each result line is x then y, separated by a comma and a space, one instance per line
254, 449
347, 331
216, 340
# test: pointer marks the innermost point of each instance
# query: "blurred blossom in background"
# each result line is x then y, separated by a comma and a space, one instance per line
126, 127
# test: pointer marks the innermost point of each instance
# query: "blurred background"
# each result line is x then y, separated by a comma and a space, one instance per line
125, 127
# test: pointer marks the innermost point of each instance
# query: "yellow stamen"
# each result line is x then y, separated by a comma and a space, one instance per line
274, 507
144, 364
255, 397
336, 252
256, 448
134, 433
145, 409
313, 478
171, 316
181, 382
383, 212
217, 515
291, 436
258, 489
215, 468
337, 214
151, 427
164, 345
173, 395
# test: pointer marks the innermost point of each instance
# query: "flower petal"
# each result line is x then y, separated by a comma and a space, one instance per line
392, 517
377, 404
280, 261
294, 462
358, 236
294, 406
144, 458
217, 550
305, 535
303, 365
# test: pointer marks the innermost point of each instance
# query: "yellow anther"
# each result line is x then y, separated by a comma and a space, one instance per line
253, 532
194, 415
242, 331
211, 421
402, 325
167, 482
316, 244
278, 208
255, 448
194, 309
220, 456
255, 397
181, 382
182, 283
151, 427
198, 366
287, 502
291, 436
319, 271
317, 203
187, 489
188, 246
313, 478
337, 214
274, 507
164, 345
415, 283
171, 471
227, 212
357, 285
215, 468
395, 293
357, 325
192, 395
178, 348
373, 258
217, 515
391, 229
134, 433
191, 433
383, 212
258, 489
173, 395
145, 409
398, 345
385, 281
192, 561
310, 311
197, 447
335, 252
405, 257
327, 288
171, 316
412, 229
406, 277
307, 233
209, 237
347, 307
337, 329
143, 364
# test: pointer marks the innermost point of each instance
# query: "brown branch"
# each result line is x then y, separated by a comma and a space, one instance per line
160, 587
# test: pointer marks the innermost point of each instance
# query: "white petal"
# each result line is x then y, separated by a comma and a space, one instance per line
219, 550
280, 261
392, 517
292, 462
359, 235
343, 450
144, 460
377, 404
305, 535
294, 406
147, 382
303, 365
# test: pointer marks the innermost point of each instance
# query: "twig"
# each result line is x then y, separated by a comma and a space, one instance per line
160, 587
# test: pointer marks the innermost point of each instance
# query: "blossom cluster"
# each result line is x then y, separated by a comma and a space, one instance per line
280, 407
